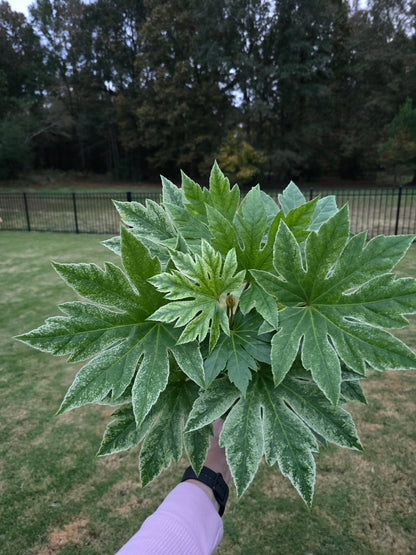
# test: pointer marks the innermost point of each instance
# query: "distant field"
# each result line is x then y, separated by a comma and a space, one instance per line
55, 181
57, 497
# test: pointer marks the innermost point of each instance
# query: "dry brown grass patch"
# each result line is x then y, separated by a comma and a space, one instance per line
74, 532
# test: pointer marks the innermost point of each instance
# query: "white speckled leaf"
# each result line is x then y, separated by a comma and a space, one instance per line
109, 287
333, 423
287, 440
324, 318
163, 443
122, 433
220, 196
242, 437
328, 298
171, 193
149, 220
110, 371
140, 266
83, 332
212, 404
153, 372
197, 445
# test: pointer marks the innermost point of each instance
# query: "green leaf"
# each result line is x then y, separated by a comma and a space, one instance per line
264, 303
195, 202
262, 423
242, 437
164, 440
308, 402
325, 209
122, 432
252, 234
250, 224
197, 445
153, 372
288, 441
150, 221
109, 287
190, 226
223, 236
220, 196
323, 317
291, 198
212, 404
171, 193
238, 352
83, 332
353, 391
140, 266
299, 219
197, 285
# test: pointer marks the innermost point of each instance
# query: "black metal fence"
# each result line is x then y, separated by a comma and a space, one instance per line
388, 211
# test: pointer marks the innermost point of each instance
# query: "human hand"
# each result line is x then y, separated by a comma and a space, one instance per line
216, 459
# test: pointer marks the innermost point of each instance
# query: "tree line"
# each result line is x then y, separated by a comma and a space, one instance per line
280, 88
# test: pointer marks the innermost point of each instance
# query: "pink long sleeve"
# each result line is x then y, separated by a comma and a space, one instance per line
186, 523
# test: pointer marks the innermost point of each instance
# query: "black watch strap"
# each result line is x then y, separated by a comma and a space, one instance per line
213, 480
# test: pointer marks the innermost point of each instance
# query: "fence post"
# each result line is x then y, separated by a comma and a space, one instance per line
399, 199
27, 211
128, 196
74, 204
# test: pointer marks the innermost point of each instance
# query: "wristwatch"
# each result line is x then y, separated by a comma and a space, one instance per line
213, 480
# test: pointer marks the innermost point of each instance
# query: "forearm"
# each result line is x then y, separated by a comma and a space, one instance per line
187, 522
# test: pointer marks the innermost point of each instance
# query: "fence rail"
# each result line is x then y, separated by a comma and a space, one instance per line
389, 211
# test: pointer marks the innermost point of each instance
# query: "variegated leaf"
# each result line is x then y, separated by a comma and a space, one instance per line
196, 286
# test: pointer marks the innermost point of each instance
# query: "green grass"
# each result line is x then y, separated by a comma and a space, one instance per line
57, 497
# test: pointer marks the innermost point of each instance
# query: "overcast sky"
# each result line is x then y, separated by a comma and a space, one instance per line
20, 5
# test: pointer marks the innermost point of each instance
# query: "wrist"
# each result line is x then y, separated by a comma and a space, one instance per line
207, 490
214, 485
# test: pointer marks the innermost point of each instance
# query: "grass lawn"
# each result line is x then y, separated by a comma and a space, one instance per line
57, 497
